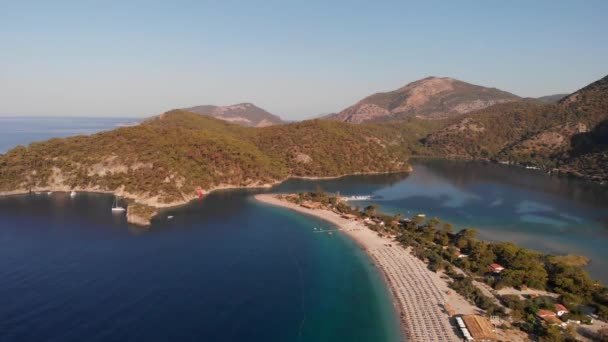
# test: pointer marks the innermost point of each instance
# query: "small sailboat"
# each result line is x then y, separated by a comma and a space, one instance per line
169, 217
115, 207
73, 194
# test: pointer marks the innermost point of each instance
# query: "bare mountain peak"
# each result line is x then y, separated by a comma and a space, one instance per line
245, 114
431, 97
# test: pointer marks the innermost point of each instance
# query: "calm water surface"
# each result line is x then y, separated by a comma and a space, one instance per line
224, 269
505, 203
25, 130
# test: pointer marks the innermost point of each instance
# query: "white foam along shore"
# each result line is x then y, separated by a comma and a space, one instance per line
419, 295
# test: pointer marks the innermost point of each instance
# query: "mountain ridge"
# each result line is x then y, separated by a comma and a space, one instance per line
165, 160
530, 132
552, 98
244, 114
431, 98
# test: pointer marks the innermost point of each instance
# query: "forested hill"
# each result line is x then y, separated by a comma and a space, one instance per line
562, 137
165, 159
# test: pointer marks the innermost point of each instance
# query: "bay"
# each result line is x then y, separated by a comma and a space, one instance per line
224, 269
228, 268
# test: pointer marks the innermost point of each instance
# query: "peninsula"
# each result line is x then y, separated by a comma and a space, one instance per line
180, 155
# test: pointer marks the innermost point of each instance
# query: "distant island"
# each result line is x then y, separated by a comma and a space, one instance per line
523, 292
180, 155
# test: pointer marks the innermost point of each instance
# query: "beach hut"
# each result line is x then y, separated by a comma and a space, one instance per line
545, 313
496, 268
480, 328
561, 310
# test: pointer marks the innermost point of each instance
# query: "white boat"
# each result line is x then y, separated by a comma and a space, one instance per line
49, 193
169, 217
73, 194
360, 198
116, 207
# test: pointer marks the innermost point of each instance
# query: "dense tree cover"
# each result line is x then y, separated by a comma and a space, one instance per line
523, 267
535, 133
169, 156
154, 160
484, 134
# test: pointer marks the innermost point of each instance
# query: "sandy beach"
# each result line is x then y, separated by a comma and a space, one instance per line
420, 296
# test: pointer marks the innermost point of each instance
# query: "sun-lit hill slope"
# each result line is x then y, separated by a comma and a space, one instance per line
429, 98
486, 133
165, 159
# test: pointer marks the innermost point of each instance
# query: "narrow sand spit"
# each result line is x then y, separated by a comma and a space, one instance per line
419, 294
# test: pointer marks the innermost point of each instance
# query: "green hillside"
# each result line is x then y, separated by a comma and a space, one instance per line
165, 159
550, 136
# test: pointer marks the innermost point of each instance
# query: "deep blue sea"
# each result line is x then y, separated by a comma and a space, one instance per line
224, 269
230, 269
24, 130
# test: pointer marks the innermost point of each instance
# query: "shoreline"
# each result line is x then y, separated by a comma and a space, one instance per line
409, 170
418, 294
156, 205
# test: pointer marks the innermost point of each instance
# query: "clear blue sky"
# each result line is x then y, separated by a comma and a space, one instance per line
293, 58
